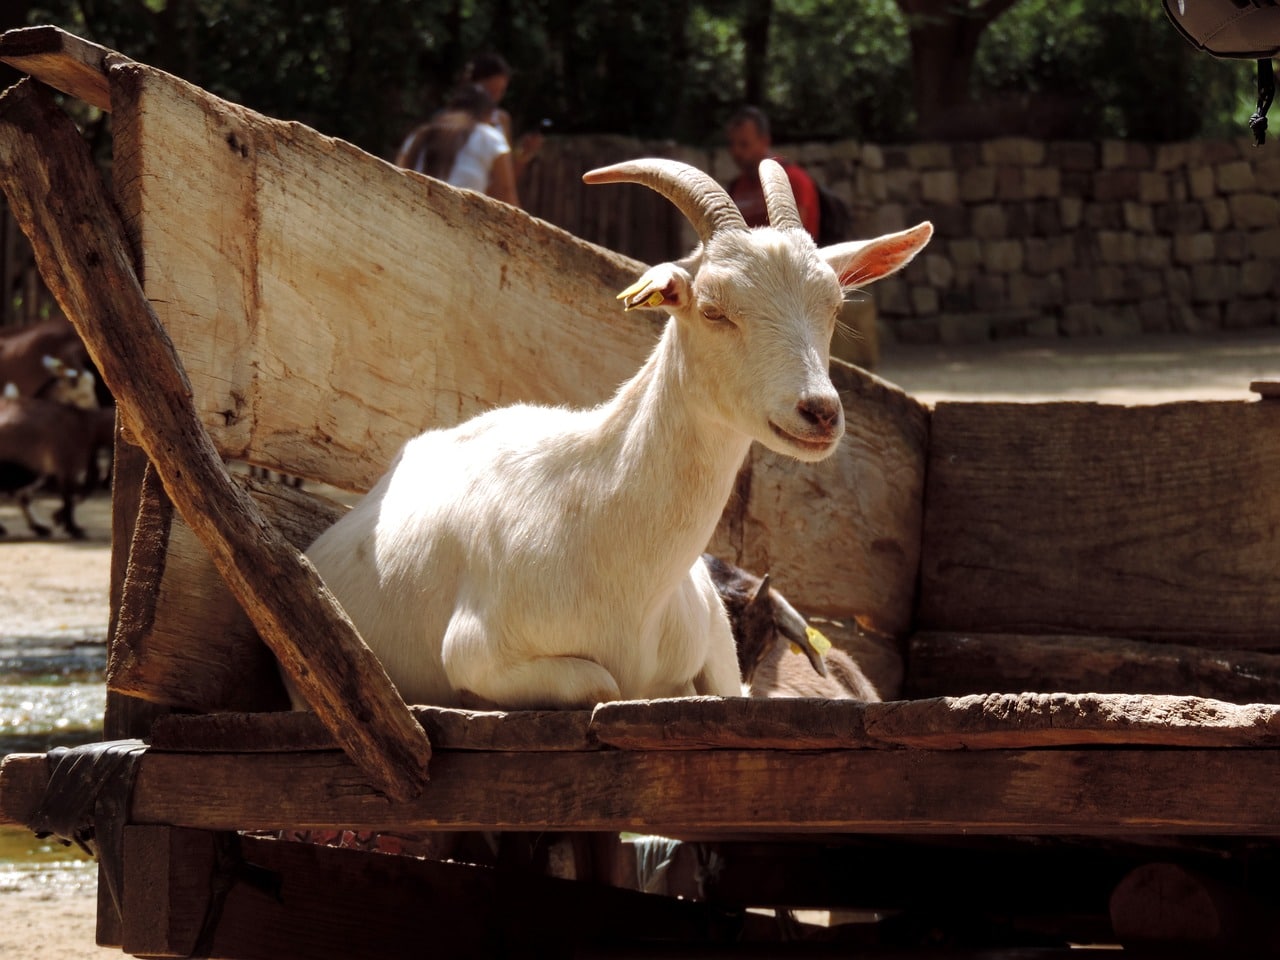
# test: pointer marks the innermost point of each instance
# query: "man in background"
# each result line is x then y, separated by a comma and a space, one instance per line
750, 142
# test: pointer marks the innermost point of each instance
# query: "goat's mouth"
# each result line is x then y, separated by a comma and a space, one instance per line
811, 446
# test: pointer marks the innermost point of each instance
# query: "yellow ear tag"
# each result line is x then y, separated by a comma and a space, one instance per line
655, 299
816, 640
632, 290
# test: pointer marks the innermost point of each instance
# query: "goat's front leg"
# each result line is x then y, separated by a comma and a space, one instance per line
545, 683
481, 673
719, 676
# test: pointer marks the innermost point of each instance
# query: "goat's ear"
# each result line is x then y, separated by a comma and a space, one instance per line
666, 285
859, 262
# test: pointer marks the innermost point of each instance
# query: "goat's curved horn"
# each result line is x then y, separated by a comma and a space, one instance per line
796, 629
778, 198
704, 202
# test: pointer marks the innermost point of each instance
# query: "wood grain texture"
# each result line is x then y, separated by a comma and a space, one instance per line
60, 59
329, 305
183, 640
708, 792
1002, 721
1152, 523
46, 171
448, 728
956, 664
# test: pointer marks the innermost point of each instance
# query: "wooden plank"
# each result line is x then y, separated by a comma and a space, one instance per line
955, 664
327, 305
979, 722
60, 59
448, 729
1153, 523
85, 262
692, 723
183, 639
736, 792
167, 876
1000, 721
23, 780
856, 516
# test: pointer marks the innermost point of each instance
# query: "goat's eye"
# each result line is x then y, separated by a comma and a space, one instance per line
713, 314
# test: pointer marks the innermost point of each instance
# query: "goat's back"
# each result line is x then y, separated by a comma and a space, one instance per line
786, 674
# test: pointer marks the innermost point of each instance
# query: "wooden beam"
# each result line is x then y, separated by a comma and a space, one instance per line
1153, 523
60, 59
998, 721
183, 640
960, 663
449, 729
24, 777
85, 261
736, 792
978, 722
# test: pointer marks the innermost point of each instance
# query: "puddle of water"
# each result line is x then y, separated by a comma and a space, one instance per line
44, 866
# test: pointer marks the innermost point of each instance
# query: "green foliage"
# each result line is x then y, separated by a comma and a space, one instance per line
1111, 68
368, 70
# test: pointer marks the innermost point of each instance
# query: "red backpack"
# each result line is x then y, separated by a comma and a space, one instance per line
1238, 30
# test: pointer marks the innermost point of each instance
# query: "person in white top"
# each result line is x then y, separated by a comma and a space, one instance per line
492, 72
459, 145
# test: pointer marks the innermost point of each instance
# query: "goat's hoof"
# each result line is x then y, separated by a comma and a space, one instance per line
40, 530
76, 533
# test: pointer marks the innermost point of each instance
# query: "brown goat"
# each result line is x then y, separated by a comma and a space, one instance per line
23, 353
42, 439
765, 626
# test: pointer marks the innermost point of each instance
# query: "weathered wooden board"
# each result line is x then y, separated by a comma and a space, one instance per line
61, 60
182, 639
999, 721
447, 728
956, 664
675, 792
979, 722
328, 305
1154, 523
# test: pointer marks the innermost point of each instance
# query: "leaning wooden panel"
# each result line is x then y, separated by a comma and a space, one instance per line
327, 305
182, 639
1153, 523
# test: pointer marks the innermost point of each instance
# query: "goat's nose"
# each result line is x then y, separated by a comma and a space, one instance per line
821, 410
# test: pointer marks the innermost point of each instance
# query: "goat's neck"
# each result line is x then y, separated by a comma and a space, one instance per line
675, 463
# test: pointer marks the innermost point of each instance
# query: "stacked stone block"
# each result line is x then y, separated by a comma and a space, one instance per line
1066, 238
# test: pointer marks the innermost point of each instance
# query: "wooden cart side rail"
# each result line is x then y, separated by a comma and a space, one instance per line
710, 793
58, 197
973, 723
62, 60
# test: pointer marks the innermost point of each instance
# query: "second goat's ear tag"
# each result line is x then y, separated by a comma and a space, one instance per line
816, 640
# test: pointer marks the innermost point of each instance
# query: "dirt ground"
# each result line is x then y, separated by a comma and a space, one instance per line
59, 588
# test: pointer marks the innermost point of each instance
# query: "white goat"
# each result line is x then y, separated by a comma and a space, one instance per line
545, 557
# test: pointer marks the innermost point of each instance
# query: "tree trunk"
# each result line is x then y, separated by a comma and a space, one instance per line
944, 40
755, 38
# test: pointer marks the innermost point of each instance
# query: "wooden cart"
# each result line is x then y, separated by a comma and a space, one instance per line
254, 291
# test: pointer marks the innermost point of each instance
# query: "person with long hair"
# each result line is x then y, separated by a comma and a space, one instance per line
461, 147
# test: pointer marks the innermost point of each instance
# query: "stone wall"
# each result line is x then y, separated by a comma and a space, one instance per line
1054, 239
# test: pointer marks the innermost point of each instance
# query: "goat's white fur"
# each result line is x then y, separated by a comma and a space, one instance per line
546, 557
